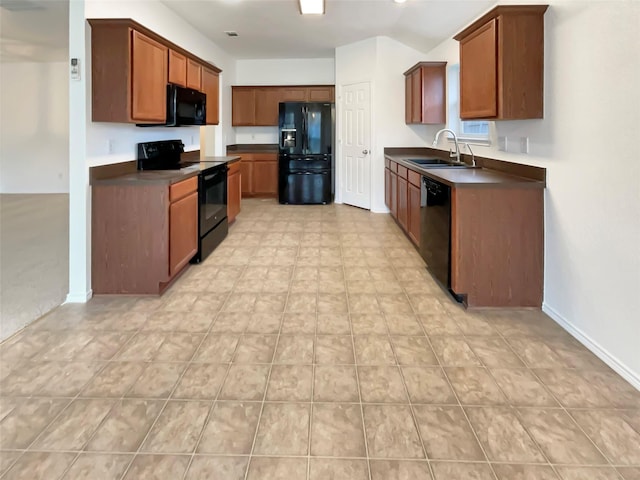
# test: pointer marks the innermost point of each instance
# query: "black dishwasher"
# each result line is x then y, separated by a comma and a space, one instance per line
435, 229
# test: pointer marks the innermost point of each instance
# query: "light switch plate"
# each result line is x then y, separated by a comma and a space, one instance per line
524, 144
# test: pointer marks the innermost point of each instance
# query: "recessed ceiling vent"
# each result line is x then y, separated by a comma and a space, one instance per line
20, 5
231, 33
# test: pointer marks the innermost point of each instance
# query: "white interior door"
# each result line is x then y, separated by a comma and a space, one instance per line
356, 145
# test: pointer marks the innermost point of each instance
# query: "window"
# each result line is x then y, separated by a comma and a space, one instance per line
472, 131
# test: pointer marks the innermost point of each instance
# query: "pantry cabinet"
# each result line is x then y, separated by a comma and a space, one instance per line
425, 93
131, 67
502, 64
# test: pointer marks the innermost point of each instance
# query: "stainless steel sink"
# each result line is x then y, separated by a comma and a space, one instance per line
435, 163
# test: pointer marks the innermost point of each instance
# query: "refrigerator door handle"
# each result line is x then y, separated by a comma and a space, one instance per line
304, 130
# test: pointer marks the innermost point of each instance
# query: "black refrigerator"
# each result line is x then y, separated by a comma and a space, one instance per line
305, 160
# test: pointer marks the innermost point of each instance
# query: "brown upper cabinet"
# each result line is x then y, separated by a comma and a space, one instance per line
502, 64
194, 71
258, 106
130, 69
177, 68
425, 93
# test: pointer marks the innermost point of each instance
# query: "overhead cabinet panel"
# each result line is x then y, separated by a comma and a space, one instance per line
148, 84
425, 93
177, 68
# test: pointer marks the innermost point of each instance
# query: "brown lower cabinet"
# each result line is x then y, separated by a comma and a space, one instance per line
143, 235
234, 191
497, 237
259, 172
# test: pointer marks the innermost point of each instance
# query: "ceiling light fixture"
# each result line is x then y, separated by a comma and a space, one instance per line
399, 1
312, 7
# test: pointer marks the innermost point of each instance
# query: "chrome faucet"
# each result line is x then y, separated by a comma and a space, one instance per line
473, 157
455, 140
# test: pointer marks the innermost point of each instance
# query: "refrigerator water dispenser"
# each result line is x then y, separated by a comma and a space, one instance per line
288, 138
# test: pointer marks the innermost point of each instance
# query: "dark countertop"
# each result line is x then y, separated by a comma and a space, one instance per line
466, 177
253, 147
164, 177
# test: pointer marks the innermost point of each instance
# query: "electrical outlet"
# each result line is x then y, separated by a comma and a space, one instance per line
502, 143
524, 144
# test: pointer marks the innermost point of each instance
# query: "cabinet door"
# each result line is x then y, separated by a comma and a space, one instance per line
408, 100
246, 177
293, 94
183, 232
394, 195
194, 75
387, 187
321, 94
413, 227
478, 73
177, 68
267, 100
148, 79
233, 193
243, 102
211, 88
265, 177
402, 202
416, 96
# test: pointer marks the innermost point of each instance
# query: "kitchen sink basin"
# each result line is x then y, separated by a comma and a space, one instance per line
434, 163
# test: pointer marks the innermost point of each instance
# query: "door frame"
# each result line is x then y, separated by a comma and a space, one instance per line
339, 160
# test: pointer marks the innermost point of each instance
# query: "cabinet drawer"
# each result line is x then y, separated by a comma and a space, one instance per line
265, 157
414, 178
402, 171
182, 189
233, 168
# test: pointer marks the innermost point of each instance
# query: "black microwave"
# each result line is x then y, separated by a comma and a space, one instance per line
185, 106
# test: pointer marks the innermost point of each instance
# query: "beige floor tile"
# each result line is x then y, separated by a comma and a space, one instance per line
157, 467
217, 468
391, 433
426, 304
75, 425
559, 437
39, 466
126, 426
263, 322
587, 473
66, 379
619, 392
474, 386
337, 469
90, 466
142, 347
454, 352
255, 349
522, 388
413, 350
368, 324
333, 324
334, 349
333, 303
231, 428
524, 472
406, 324
494, 352
336, 431
23, 424
446, 433
462, 471
381, 385
299, 323
572, 389
630, 473
103, 346
472, 324
394, 304
277, 468
245, 382
428, 385
536, 353
270, 303
217, 348
374, 350
290, 383
502, 436
439, 324
363, 303
612, 434
157, 381
302, 302
294, 349
231, 322
399, 470
178, 428
335, 383
240, 302
7, 459
283, 429
201, 381
178, 347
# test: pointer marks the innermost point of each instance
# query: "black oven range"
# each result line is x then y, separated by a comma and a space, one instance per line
213, 225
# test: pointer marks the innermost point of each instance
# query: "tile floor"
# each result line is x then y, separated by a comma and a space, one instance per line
311, 345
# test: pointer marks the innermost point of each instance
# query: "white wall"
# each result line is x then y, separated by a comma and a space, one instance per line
34, 138
586, 141
382, 62
279, 71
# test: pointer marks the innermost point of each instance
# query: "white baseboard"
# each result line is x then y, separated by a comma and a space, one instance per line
630, 376
79, 297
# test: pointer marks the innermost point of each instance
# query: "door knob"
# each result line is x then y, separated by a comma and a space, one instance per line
365, 152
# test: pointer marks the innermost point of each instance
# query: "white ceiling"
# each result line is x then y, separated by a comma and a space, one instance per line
275, 28
34, 30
